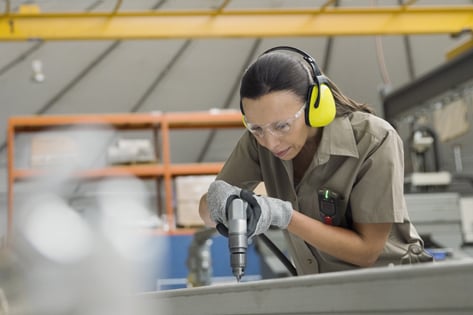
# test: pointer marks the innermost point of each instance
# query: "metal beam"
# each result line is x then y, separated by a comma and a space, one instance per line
329, 21
460, 49
447, 76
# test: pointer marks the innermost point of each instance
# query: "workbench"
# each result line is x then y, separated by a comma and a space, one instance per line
429, 288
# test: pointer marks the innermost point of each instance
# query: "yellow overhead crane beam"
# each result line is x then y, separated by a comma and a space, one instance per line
461, 48
324, 21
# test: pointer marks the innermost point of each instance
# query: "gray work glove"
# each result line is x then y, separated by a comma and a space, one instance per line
262, 212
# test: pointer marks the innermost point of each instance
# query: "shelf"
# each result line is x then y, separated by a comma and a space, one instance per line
216, 119
180, 231
196, 169
160, 123
142, 171
122, 121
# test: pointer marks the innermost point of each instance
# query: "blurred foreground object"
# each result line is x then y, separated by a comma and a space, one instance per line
199, 259
62, 263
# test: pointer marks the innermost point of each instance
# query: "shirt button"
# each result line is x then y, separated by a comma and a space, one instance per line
415, 249
310, 261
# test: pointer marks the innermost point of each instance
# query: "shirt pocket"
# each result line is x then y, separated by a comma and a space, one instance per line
308, 204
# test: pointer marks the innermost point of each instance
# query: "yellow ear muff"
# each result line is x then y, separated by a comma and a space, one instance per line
244, 121
321, 114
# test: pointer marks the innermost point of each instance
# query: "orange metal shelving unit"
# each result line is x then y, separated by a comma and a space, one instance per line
191, 120
160, 124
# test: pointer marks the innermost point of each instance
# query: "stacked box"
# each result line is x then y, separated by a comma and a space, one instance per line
50, 150
189, 190
260, 189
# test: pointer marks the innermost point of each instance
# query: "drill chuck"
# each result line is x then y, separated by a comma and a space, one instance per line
237, 238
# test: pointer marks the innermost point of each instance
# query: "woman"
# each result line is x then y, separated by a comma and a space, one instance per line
333, 170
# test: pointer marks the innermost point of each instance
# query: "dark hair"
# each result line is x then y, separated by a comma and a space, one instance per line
278, 71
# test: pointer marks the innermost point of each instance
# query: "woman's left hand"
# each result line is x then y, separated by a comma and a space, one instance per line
262, 212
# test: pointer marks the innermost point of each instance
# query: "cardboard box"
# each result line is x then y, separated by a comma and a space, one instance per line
53, 150
260, 189
189, 190
131, 151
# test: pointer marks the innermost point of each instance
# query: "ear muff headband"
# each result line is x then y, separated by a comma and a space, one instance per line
321, 109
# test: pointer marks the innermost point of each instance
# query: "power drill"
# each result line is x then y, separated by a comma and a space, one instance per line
237, 236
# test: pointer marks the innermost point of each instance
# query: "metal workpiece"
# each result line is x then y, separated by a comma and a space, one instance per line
428, 288
237, 237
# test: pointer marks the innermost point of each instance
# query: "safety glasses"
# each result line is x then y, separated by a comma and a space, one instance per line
277, 129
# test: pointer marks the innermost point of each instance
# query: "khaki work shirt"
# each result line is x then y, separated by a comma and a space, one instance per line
360, 157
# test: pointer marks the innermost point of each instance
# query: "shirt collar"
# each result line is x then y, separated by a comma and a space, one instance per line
337, 139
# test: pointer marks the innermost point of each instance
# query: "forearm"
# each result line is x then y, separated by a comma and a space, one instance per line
204, 211
347, 245
360, 246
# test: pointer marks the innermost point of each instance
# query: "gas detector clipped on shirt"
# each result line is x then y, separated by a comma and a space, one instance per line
328, 207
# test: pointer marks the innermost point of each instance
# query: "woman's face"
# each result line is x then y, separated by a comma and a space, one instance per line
277, 122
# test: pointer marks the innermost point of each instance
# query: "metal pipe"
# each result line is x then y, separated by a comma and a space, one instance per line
222, 6
408, 3
117, 6
7, 7
380, 57
326, 4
